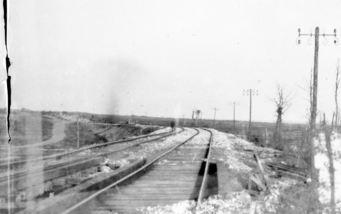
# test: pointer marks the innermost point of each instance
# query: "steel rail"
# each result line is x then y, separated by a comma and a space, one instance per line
52, 143
207, 163
19, 175
56, 156
92, 196
103, 130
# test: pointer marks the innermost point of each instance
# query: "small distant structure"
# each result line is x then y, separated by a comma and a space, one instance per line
196, 115
172, 125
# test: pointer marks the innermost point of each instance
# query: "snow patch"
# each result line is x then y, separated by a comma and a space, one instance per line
162, 130
159, 145
227, 144
322, 164
182, 207
236, 202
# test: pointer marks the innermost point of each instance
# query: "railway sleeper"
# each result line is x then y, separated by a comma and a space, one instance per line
22, 187
67, 198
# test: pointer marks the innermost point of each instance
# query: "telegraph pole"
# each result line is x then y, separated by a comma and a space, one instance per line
215, 111
78, 132
250, 92
315, 79
234, 103
234, 116
250, 113
313, 113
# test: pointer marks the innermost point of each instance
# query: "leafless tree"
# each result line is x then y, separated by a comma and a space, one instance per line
282, 103
196, 115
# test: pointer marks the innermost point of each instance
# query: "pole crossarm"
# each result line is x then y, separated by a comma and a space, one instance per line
253, 92
320, 34
317, 34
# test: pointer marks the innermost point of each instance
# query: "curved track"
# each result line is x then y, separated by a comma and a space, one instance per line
180, 173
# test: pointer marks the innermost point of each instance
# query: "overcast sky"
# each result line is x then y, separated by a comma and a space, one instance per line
165, 58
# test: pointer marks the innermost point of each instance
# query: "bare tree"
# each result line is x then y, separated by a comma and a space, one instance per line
282, 104
196, 115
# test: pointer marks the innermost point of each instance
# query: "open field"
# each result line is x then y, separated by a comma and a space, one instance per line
39, 160
293, 135
291, 131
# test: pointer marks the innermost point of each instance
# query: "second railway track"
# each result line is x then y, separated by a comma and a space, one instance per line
76, 164
181, 173
15, 164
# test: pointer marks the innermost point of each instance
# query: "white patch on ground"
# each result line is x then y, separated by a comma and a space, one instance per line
162, 130
73, 118
236, 202
271, 201
235, 149
85, 152
200, 140
182, 207
149, 148
110, 165
227, 143
106, 169
322, 164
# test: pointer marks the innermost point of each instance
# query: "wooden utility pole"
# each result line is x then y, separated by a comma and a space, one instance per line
250, 92
315, 81
250, 111
234, 103
215, 112
313, 113
234, 116
78, 133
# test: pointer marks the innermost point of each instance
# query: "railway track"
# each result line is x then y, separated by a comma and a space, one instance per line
106, 129
66, 163
18, 148
15, 164
71, 166
183, 172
